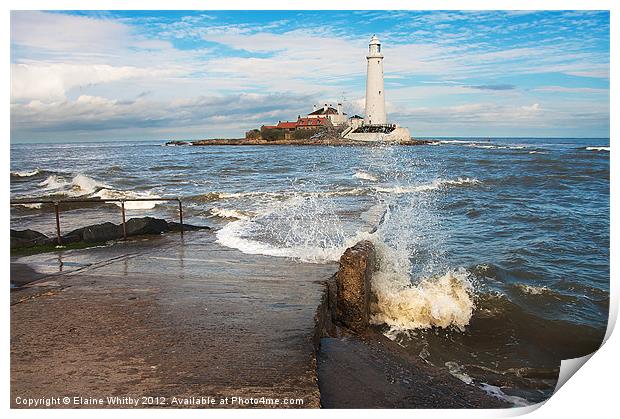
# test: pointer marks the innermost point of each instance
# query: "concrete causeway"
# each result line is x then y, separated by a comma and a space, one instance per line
165, 317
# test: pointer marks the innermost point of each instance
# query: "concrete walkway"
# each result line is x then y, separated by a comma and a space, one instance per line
162, 318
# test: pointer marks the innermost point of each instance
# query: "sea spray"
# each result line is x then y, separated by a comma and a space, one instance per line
414, 287
304, 226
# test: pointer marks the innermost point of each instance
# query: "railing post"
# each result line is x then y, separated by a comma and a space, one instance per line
57, 211
124, 224
180, 215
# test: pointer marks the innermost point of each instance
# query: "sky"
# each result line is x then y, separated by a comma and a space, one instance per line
129, 75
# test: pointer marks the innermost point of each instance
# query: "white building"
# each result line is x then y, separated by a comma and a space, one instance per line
336, 116
375, 94
375, 126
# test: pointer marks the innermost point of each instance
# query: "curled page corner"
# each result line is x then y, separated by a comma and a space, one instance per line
568, 368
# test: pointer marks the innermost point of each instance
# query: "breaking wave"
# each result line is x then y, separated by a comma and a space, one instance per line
434, 301
229, 213
601, 148
106, 193
434, 185
25, 173
365, 176
82, 186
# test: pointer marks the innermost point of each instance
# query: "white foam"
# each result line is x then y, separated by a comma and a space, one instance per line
106, 193
597, 148
235, 235
498, 393
229, 213
80, 185
443, 301
434, 185
53, 182
26, 173
32, 206
529, 289
365, 176
455, 141
456, 370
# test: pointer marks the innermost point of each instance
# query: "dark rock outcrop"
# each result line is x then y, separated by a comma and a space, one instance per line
353, 286
145, 225
99, 233
27, 238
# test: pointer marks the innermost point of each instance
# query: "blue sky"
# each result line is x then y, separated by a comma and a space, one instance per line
158, 75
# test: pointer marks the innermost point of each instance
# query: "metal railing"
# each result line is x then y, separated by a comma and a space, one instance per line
57, 203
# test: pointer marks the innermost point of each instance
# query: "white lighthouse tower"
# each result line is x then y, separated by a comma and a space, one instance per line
375, 94
375, 127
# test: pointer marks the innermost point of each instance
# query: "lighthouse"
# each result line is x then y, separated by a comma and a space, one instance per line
375, 94
375, 127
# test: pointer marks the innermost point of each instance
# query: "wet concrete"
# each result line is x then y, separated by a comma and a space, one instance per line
162, 318
368, 371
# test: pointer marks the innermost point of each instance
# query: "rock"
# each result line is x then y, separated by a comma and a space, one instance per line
96, 233
27, 238
172, 226
101, 233
357, 265
145, 225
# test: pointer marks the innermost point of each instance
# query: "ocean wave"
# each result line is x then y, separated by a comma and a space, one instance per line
237, 235
106, 193
434, 185
442, 301
497, 392
365, 176
25, 173
455, 141
229, 213
600, 148
278, 195
532, 290
80, 185
31, 206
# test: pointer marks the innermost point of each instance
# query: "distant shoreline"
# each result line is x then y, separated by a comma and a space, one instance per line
312, 142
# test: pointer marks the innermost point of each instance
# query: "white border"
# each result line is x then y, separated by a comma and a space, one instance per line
592, 393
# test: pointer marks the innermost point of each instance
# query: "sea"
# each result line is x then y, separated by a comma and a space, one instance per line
493, 253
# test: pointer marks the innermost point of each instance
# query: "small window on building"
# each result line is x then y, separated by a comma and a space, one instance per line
379, 91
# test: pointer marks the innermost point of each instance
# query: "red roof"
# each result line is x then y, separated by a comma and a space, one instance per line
305, 122
286, 124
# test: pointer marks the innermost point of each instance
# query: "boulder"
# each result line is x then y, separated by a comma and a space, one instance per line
27, 238
101, 233
96, 233
145, 225
172, 226
357, 265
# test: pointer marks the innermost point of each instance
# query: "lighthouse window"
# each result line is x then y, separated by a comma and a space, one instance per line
378, 48
379, 91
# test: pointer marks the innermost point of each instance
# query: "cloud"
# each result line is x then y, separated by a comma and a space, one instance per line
87, 115
220, 72
579, 90
492, 87
50, 82
61, 33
